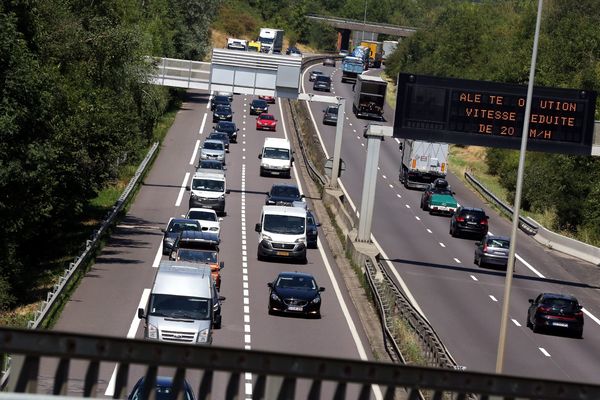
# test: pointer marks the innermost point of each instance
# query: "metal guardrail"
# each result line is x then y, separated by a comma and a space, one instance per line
526, 226
180, 73
275, 375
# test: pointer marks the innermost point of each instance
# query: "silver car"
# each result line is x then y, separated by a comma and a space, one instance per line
492, 250
213, 149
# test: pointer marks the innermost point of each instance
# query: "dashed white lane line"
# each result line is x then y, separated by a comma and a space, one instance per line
442, 244
417, 218
391, 186
209, 100
407, 205
515, 322
362, 144
535, 271
158, 255
544, 352
398, 195
384, 177
493, 298
474, 278
195, 152
456, 260
245, 290
182, 189
202, 125
429, 230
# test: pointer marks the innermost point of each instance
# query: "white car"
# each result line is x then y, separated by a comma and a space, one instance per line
208, 219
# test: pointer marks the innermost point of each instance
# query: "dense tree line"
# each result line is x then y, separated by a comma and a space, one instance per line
492, 40
75, 102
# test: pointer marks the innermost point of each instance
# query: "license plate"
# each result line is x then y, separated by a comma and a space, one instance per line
294, 308
282, 253
563, 324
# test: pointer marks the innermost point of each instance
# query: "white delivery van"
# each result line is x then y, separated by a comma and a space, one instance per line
282, 233
184, 304
276, 157
208, 189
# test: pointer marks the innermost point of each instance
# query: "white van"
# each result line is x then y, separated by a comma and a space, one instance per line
208, 189
282, 233
184, 304
276, 157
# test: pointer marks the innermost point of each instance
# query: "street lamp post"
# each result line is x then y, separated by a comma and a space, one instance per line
364, 22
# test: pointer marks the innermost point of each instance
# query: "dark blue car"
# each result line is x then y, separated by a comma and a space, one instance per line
163, 390
175, 226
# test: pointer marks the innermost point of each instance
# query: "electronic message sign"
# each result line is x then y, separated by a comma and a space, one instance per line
492, 114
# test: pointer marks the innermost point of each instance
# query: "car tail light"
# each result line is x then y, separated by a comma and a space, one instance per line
460, 219
483, 221
579, 314
544, 308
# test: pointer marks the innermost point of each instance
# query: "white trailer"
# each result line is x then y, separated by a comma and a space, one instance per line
271, 40
422, 162
388, 48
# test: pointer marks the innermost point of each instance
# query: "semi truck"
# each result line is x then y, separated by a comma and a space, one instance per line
375, 53
271, 40
422, 162
364, 53
388, 48
237, 44
369, 97
351, 68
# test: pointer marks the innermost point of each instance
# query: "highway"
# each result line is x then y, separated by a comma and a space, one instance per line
107, 299
462, 301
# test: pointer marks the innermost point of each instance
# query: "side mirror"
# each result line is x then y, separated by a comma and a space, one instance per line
187, 188
227, 191
221, 265
259, 156
222, 298
530, 301
173, 256
302, 196
220, 219
270, 284
292, 159
453, 193
318, 224
324, 110
163, 230
321, 289
237, 130
141, 313
257, 227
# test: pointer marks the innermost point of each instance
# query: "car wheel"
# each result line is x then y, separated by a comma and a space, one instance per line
579, 334
271, 311
217, 324
535, 328
527, 323
452, 232
259, 257
475, 260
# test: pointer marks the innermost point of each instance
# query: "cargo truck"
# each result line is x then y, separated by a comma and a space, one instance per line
254, 45
271, 40
422, 162
351, 68
375, 53
364, 53
388, 48
369, 97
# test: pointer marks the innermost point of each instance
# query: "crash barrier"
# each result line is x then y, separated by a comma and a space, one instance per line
274, 375
540, 234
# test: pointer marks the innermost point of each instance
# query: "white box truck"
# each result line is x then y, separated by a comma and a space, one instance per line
388, 48
271, 40
369, 97
422, 162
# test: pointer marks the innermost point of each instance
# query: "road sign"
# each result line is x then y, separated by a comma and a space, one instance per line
492, 114
329, 166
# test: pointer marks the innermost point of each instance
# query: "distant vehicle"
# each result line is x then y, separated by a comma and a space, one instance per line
375, 53
556, 312
237, 44
266, 122
492, 250
174, 227
330, 115
351, 68
422, 162
468, 220
268, 99
254, 46
210, 164
200, 247
282, 233
291, 51
283, 194
229, 95
329, 62
163, 389
369, 97
213, 150
228, 127
439, 186
312, 231
258, 107
343, 53
207, 218
219, 100
322, 83
295, 293
276, 157
222, 136
222, 113
389, 46
313, 75
271, 40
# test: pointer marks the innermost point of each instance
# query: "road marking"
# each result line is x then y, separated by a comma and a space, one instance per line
544, 352
493, 298
456, 260
209, 100
474, 278
158, 255
442, 244
135, 323
592, 317
384, 177
515, 322
245, 290
429, 230
195, 152
417, 218
202, 125
391, 186
535, 271
182, 189
407, 206
398, 195
362, 144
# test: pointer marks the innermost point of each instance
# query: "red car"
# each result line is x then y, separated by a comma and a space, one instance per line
266, 121
268, 99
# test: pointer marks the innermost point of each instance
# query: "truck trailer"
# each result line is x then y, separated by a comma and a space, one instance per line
369, 97
271, 40
351, 68
376, 52
422, 162
388, 48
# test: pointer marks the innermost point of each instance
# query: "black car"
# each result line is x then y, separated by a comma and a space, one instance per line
219, 101
283, 194
556, 312
164, 389
222, 136
295, 293
330, 62
175, 226
312, 232
210, 164
330, 115
222, 113
293, 50
469, 220
322, 83
313, 75
258, 106
229, 128
438, 186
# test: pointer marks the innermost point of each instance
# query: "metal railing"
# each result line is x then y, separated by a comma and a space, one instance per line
275, 375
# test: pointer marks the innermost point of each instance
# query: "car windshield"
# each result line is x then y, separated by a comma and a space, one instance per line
265, 40
322, 78
332, 110
197, 255
278, 154
209, 185
183, 226
225, 127
501, 243
284, 224
219, 136
441, 190
317, 73
563, 304
211, 164
287, 191
259, 103
475, 214
223, 109
163, 392
170, 306
296, 282
213, 145
267, 117
221, 99
202, 215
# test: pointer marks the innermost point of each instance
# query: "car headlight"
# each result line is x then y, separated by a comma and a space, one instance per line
203, 336
275, 297
316, 300
194, 196
300, 240
152, 332
213, 228
267, 238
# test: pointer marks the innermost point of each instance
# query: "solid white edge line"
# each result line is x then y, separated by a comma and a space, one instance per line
535, 271
203, 123
515, 322
158, 255
592, 317
195, 152
182, 189
135, 323
544, 352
